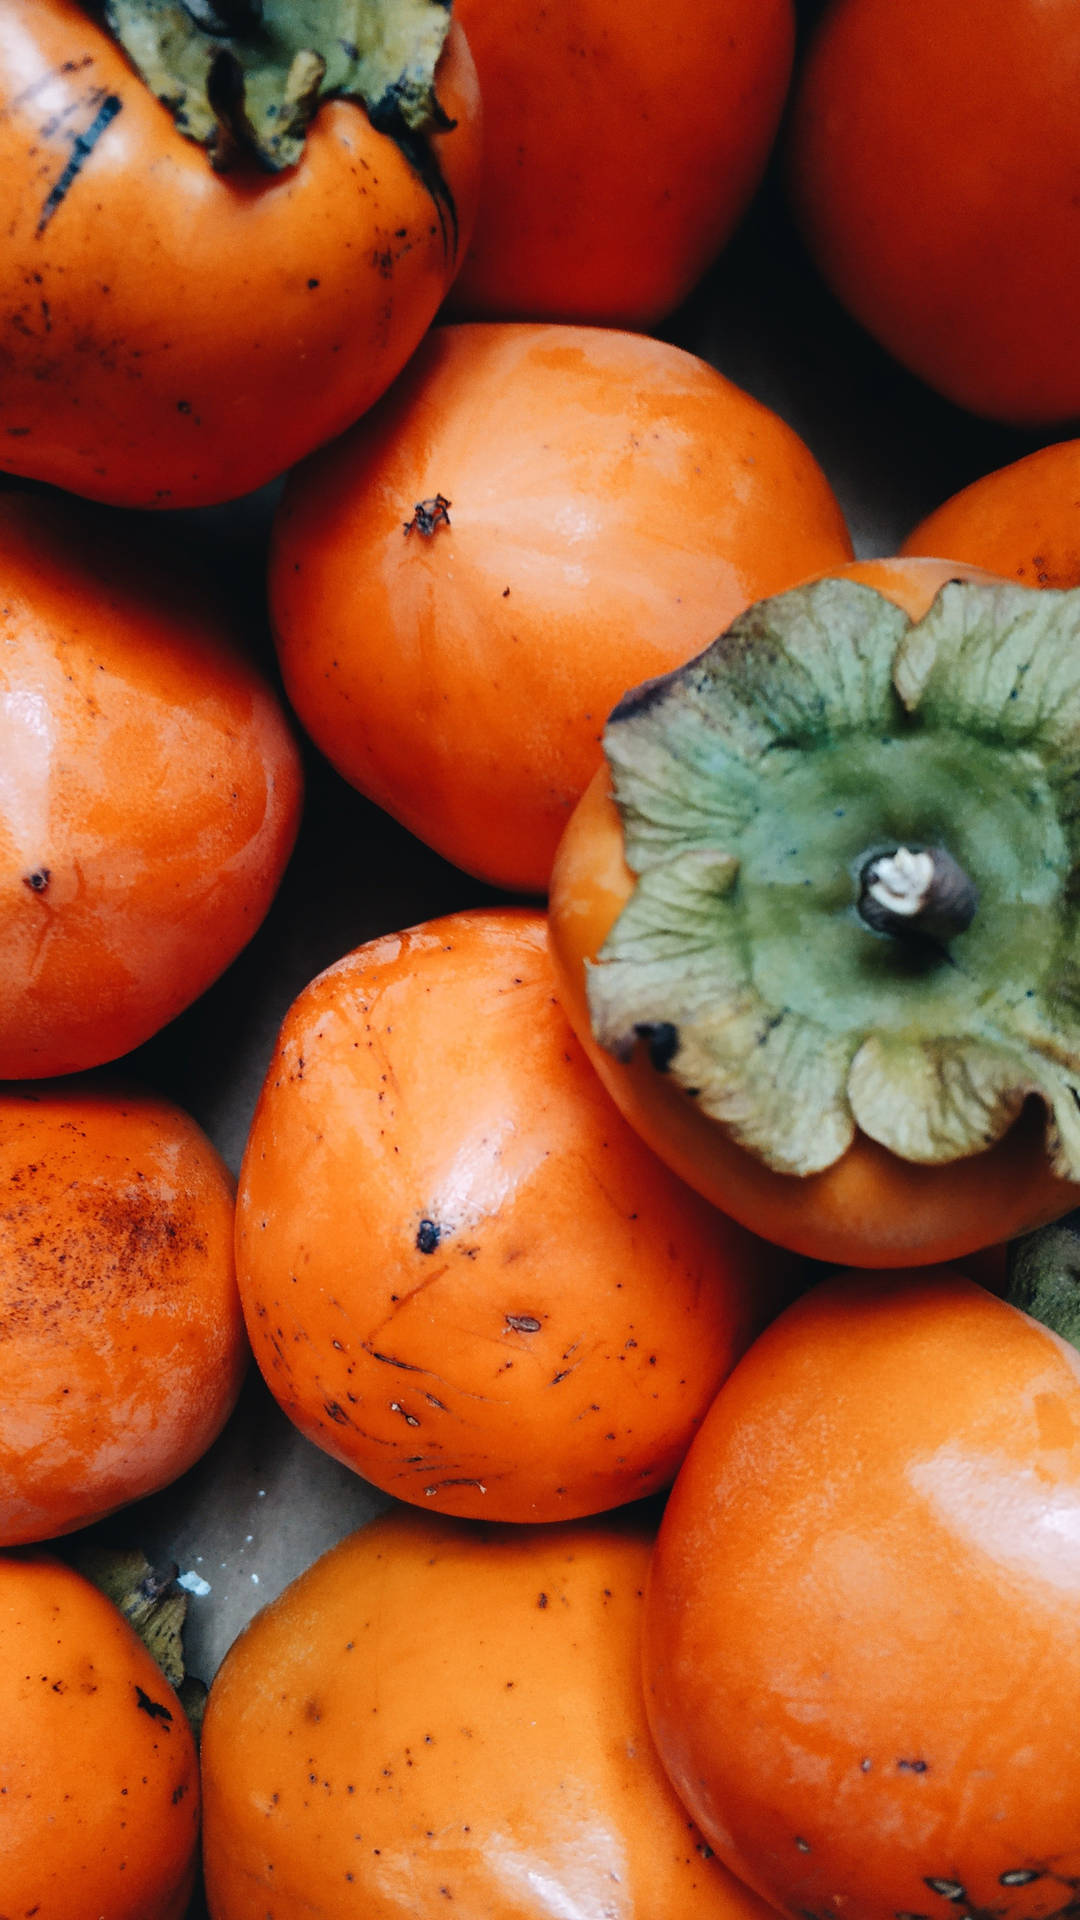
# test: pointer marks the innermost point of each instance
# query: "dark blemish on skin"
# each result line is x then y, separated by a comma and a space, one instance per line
523, 1322
661, 1038
153, 1707
803, 1845
38, 880
912, 1766
949, 1889
865, 1765
336, 1412
429, 515
464, 1481
388, 1360
542, 1600
1020, 1876
82, 147
428, 1235
313, 283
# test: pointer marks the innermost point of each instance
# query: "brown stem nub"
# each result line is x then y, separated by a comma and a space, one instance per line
919, 892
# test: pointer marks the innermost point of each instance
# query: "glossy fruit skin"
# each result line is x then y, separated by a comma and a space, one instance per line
933, 165
619, 150
614, 502
257, 315
438, 1717
99, 1813
870, 1208
149, 788
462, 1272
124, 1343
1020, 521
860, 1651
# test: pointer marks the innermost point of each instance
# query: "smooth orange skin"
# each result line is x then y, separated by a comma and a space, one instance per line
149, 789
123, 1340
620, 149
934, 157
99, 1793
614, 502
553, 1351
1022, 521
870, 1208
439, 1717
860, 1649
256, 316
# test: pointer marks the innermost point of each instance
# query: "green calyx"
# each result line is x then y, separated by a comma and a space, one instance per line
857, 848
245, 77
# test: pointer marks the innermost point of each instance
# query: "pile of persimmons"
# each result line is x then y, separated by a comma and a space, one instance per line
673, 1225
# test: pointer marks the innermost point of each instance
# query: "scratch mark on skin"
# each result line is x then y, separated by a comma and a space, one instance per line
409, 1366
403, 1301
81, 149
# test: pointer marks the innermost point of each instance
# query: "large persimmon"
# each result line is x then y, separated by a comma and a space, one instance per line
535, 518
439, 1718
173, 332
123, 1340
149, 787
840, 1074
861, 1658
462, 1272
619, 150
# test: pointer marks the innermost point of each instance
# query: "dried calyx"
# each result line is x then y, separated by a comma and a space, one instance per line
857, 847
245, 77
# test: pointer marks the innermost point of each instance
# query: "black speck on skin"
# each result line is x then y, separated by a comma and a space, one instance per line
428, 1235
153, 1707
38, 880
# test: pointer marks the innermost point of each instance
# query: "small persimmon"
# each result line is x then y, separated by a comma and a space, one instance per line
1023, 521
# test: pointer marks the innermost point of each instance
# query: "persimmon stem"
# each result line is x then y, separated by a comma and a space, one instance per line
920, 892
1044, 1276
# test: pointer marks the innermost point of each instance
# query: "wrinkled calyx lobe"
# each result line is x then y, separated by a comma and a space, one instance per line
784, 797
246, 77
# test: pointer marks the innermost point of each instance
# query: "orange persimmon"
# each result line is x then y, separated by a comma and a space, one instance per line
535, 518
870, 1206
462, 1272
99, 1778
149, 787
442, 1718
860, 1652
934, 160
1023, 521
171, 334
124, 1343
620, 148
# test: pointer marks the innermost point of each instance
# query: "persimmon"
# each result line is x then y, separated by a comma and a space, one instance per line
149, 788
847, 1083
172, 333
438, 1717
1020, 521
99, 1779
462, 1272
934, 155
861, 1665
124, 1343
535, 518
619, 150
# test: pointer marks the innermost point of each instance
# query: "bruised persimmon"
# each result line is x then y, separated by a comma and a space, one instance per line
443, 1718
149, 787
123, 1340
534, 519
462, 1272
99, 1778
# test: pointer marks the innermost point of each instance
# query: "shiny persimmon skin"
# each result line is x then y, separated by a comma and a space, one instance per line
620, 149
1021, 521
870, 1208
149, 788
860, 1650
124, 1343
99, 1779
438, 1717
934, 155
462, 1272
614, 502
257, 314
